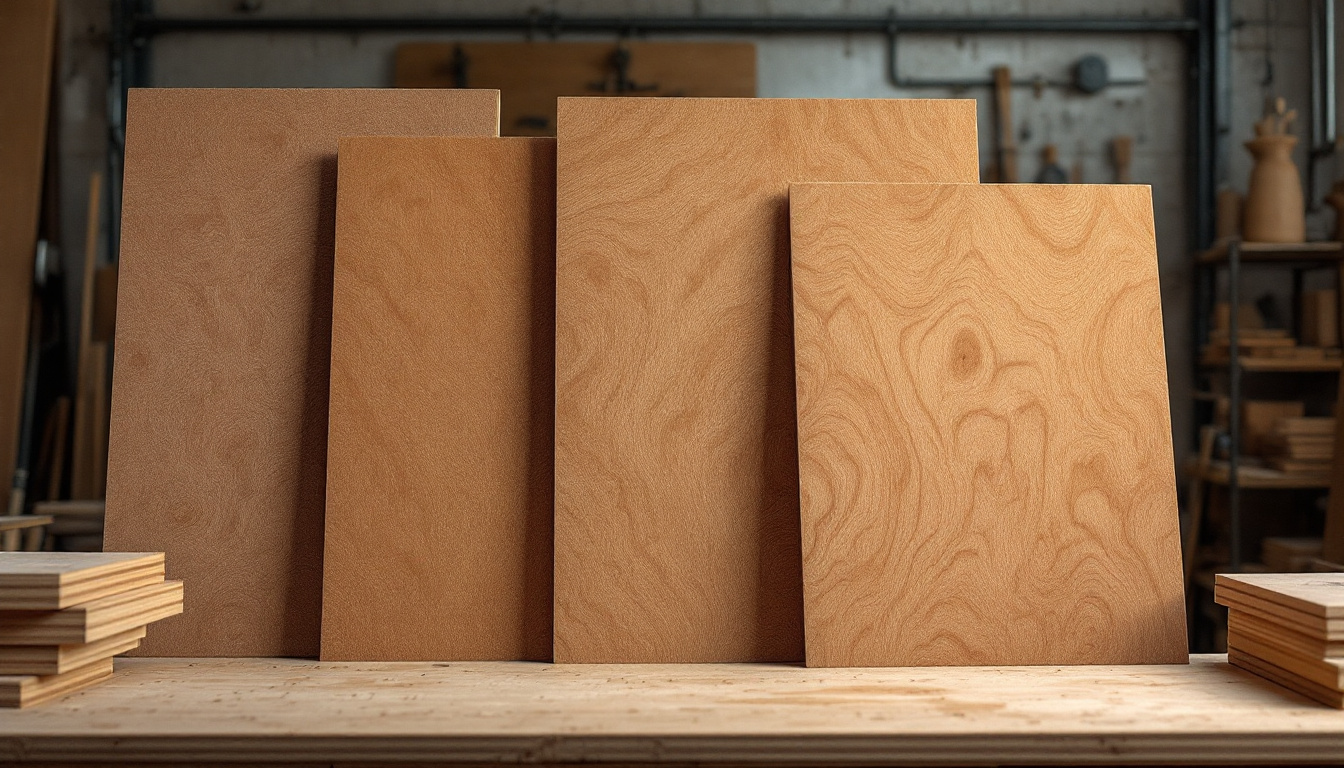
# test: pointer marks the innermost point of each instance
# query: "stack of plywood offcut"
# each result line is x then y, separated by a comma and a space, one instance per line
1288, 628
1301, 445
64, 615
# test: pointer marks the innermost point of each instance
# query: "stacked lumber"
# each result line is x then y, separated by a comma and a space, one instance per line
1290, 555
1264, 343
1287, 628
64, 615
1300, 445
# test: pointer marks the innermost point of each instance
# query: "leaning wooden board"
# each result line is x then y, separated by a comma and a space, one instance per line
439, 474
676, 528
49, 581
27, 38
264, 711
219, 401
530, 76
984, 440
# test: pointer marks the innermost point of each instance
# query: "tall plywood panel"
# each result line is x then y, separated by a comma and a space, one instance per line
219, 395
676, 482
984, 435
27, 37
439, 475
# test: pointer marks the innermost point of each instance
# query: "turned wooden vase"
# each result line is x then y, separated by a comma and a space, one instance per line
1274, 211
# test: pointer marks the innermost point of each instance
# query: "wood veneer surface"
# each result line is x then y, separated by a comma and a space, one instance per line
676, 480
984, 439
219, 398
439, 482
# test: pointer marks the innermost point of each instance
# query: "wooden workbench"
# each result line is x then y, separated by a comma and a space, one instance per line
276, 710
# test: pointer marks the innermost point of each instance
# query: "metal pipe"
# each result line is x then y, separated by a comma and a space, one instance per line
556, 24
1323, 128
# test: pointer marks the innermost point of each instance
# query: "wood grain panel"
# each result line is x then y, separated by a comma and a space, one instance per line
219, 396
984, 439
440, 473
530, 76
27, 38
676, 475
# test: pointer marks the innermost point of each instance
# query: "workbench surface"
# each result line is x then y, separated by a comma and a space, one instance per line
276, 710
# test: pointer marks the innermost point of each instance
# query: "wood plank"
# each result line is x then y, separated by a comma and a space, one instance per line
1312, 593
1328, 629
54, 580
94, 620
58, 659
1326, 672
27, 39
225, 299
1266, 631
21, 522
1306, 425
676, 526
985, 455
30, 690
1283, 677
258, 710
442, 402
531, 76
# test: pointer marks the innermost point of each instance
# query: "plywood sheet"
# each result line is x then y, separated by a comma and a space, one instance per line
57, 659
92, 621
54, 580
1280, 676
27, 38
984, 441
530, 76
1318, 594
440, 474
1265, 630
30, 690
219, 397
676, 468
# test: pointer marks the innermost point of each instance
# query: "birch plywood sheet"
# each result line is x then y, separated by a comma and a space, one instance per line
219, 398
676, 480
984, 439
439, 500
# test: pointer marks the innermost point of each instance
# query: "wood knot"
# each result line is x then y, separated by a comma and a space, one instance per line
964, 359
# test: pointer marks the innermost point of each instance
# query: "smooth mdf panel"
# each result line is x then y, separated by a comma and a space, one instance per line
984, 440
530, 76
676, 476
219, 396
439, 481
27, 38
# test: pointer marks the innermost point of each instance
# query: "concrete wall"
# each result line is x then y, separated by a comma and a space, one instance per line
801, 66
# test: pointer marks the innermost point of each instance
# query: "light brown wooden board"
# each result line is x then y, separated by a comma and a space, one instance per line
248, 711
53, 580
984, 441
57, 659
440, 473
1300, 621
94, 620
28, 690
1267, 631
27, 38
1280, 676
219, 397
1318, 594
676, 469
1326, 672
530, 76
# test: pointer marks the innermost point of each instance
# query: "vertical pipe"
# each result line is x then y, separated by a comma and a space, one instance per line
1234, 400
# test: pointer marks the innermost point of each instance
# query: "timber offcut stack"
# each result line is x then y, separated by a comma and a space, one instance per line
1288, 628
64, 615
1301, 445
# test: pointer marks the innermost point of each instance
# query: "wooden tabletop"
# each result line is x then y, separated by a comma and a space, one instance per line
277, 710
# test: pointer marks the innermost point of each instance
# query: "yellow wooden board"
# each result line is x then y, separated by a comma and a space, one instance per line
57, 659
50, 581
1316, 594
530, 76
676, 475
18, 691
94, 620
1325, 672
1280, 676
984, 441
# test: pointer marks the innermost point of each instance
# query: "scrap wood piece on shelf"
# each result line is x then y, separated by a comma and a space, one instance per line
50, 581
18, 691
1290, 554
